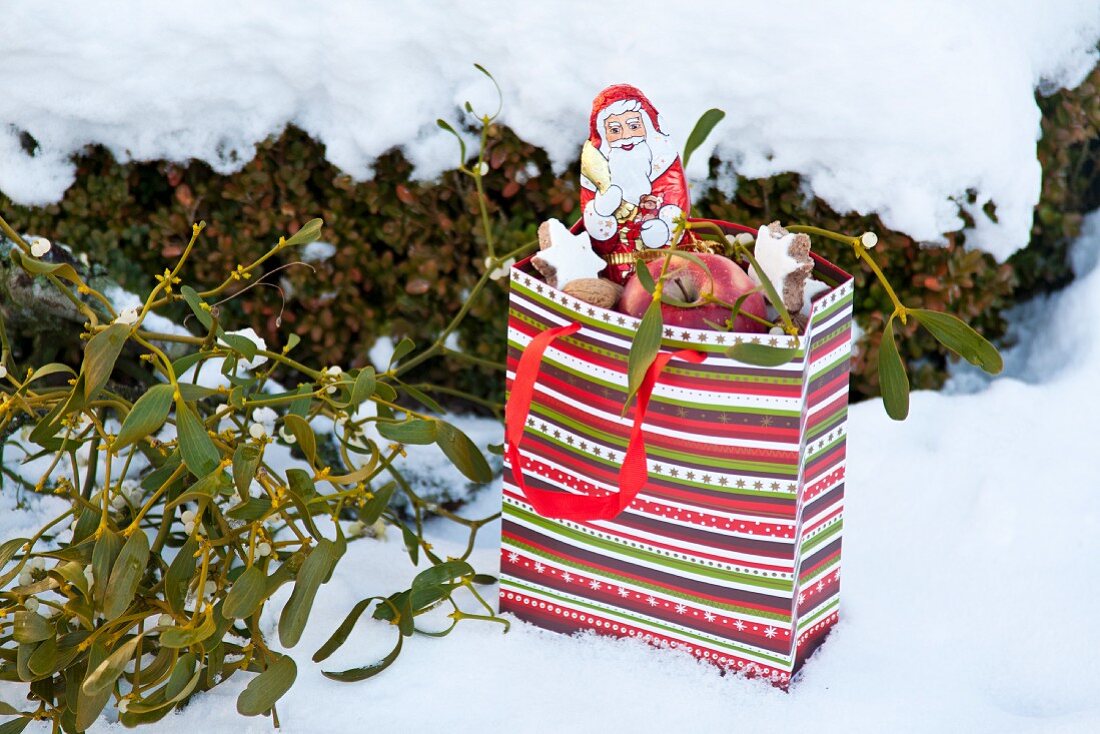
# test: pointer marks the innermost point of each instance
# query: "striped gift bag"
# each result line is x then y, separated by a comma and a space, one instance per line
708, 516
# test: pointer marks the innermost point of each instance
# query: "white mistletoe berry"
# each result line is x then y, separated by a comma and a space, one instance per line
3, 372
502, 271
331, 374
209, 588
188, 516
483, 168
257, 431
25, 577
869, 239
287, 435
31, 605
189, 527
263, 549
128, 316
40, 246
265, 416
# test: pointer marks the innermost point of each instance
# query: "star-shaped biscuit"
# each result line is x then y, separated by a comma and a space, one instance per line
785, 258
565, 256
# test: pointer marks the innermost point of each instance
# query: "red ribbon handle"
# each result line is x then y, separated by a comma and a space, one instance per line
634, 472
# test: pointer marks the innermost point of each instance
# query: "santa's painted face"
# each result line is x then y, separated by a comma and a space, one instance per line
624, 130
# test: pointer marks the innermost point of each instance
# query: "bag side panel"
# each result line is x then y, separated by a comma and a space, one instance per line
821, 491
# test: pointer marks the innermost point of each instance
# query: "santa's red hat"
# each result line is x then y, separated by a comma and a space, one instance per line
611, 95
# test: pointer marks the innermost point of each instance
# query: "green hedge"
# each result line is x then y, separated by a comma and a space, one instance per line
405, 251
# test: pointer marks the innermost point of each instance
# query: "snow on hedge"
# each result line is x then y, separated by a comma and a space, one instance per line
898, 108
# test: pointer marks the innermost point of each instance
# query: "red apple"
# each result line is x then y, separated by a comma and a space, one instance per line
688, 282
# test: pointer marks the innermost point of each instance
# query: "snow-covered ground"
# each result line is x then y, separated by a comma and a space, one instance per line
972, 534
895, 107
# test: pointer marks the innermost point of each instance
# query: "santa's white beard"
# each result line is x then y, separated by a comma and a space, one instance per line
630, 170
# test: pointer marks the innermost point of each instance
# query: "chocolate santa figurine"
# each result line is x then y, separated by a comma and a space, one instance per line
632, 183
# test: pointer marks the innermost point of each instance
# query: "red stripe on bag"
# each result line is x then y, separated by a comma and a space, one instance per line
634, 472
